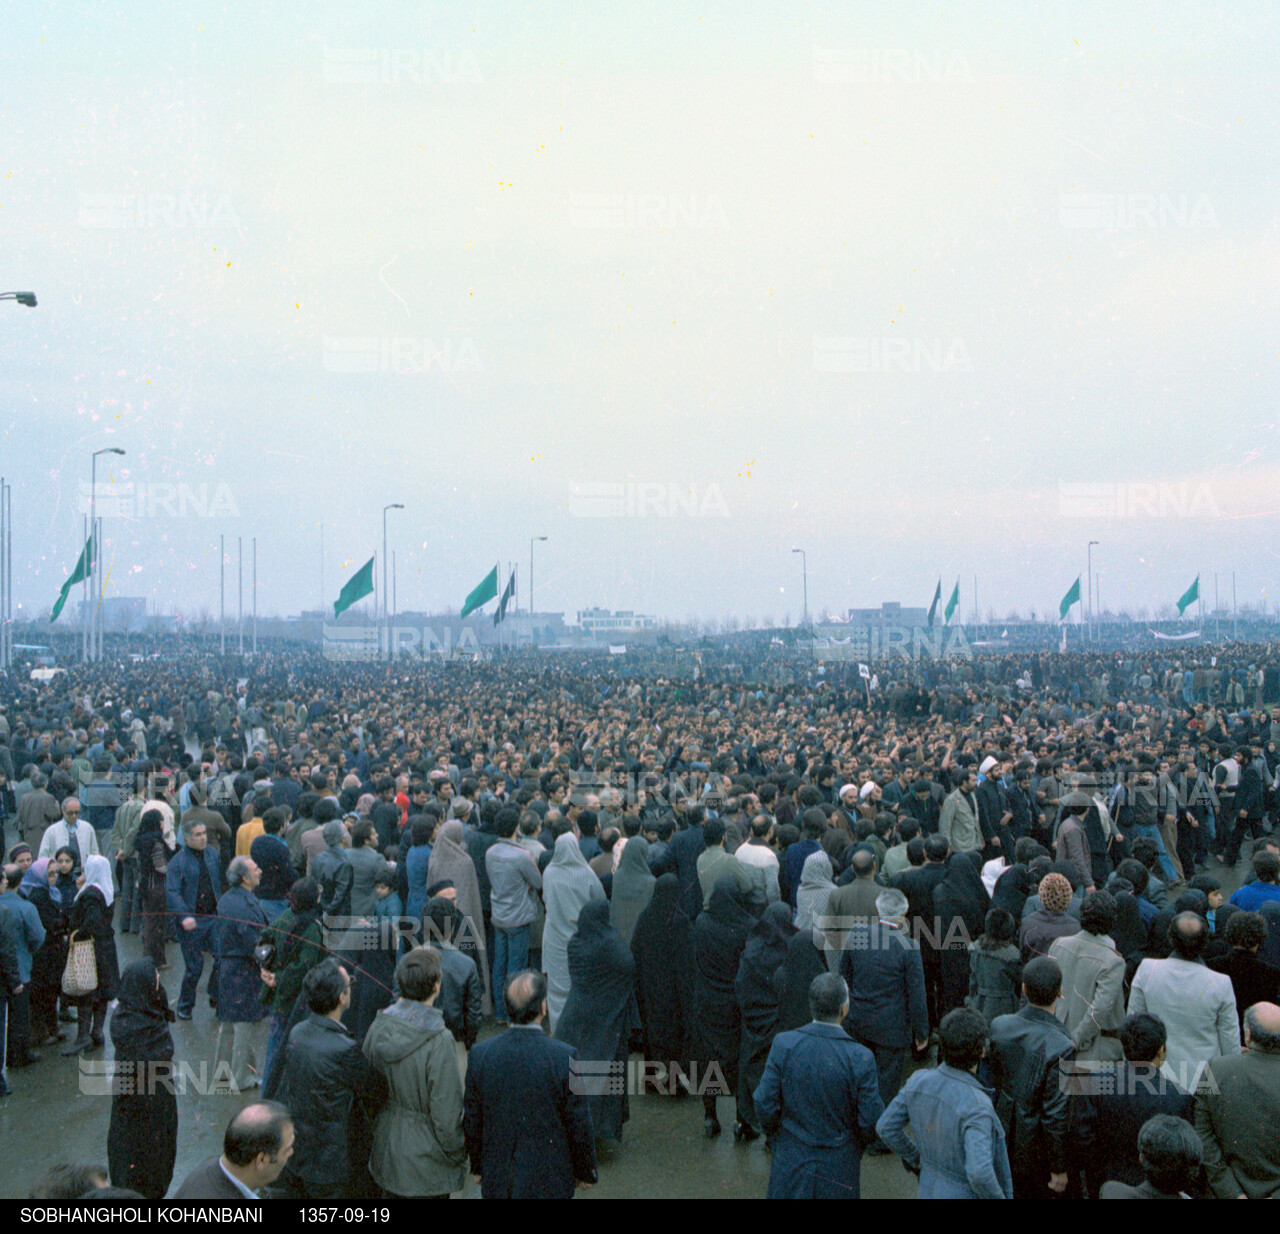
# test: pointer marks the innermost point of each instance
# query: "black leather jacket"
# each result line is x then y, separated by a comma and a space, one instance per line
1026, 1054
324, 1073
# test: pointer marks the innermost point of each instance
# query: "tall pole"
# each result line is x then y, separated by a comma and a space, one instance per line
240, 594
255, 595
93, 555
531, 544
976, 617
1217, 612
394, 605
84, 592
322, 567
1235, 634
804, 576
395, 505
222, 593
4, 593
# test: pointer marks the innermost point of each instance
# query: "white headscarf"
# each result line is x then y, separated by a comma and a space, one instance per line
97, 873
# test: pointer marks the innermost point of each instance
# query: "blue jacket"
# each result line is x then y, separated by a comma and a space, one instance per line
183, 880
29, 936
886, 986
958, 1146
1252, 896
528, 1131
818, 1102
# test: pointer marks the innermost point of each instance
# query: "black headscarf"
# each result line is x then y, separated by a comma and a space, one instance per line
304, 899
599, 1013
662, 947
720, 936
1269, 952
805, 960
1129, 933
140, 1022
1011, 891
961, 893
755, 987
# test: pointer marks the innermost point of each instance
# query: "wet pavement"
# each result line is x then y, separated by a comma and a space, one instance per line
49, 1119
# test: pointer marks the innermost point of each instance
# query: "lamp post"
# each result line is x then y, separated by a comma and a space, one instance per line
533, 541
255, 595
1089, 550
93, 625
222, 594
804, 562
395, 505
26, 298
6, 530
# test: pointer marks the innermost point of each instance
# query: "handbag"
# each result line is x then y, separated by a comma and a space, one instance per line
80, 977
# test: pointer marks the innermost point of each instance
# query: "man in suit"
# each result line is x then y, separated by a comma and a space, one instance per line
192, 886
855, 898
37, 809
1027, 1054
681, 859
525, 1116
255, 1149
887, 1009
917, 885
1092, 1007
1197, 1005
818, 1102
1170, 1152
1238, 1111
1247, 810
1114, 1100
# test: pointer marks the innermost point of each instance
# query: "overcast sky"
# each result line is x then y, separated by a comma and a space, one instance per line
679, 288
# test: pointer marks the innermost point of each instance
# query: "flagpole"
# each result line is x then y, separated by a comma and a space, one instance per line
222, 593
240, 594
255, 595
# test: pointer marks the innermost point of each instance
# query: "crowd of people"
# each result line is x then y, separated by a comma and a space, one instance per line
1015, 919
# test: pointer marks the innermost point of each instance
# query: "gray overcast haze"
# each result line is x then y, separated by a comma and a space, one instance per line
924, 290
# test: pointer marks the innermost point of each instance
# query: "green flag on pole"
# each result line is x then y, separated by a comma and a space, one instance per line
487, 591
84, 567
952, 604
1189, 597
508, 594
359, 585
1072, 597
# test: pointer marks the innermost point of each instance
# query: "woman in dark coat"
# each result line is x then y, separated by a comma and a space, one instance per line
153, 852
600, 1011
1011, 891
805, 959
1129, 934
757, 994
960, 904
719, 938
39, 887
142, 1141
662, 947
90, 917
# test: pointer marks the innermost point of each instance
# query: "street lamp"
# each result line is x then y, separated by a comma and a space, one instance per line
395, 505
1090, 552
26, 298
93, 631
804, 561
533, 541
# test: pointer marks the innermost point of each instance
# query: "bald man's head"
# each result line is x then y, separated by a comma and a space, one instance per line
1262, 1027
258, 1142
525, 994
1188, 933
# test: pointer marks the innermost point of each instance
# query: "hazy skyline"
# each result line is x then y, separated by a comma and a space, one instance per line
920, 294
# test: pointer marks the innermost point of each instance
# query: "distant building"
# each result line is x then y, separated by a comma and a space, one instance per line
889, 614
600, 621
123, 613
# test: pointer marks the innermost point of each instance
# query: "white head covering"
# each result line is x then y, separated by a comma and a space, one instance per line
987, 764
97, 873
866, 790
816, 886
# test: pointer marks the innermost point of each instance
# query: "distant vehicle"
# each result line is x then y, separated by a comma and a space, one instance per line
42, 655
45, 674
136, 657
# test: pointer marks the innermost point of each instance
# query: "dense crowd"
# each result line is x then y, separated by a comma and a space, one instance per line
1014, 918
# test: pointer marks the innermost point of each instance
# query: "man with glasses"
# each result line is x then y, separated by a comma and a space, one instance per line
70, 832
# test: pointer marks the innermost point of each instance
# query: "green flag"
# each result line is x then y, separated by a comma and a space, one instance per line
1072, 597
359, 585
952, 604
1189, 597
482, 594
508, 594
84, 567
